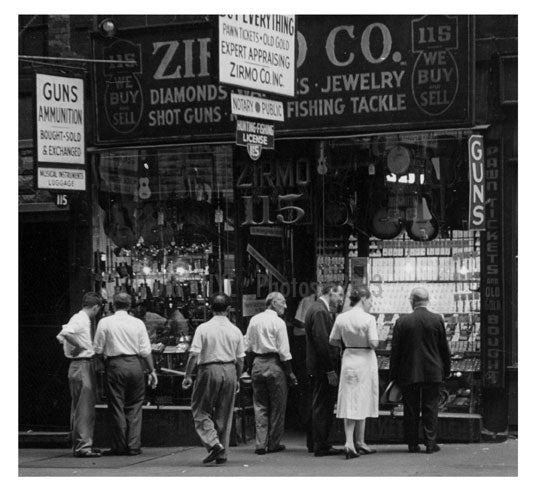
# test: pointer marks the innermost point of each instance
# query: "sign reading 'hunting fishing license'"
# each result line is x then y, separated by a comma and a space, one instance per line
255, 136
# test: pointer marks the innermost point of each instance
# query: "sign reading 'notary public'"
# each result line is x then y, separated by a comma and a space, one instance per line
258, 52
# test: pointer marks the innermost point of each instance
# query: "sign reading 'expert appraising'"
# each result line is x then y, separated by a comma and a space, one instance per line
258, 52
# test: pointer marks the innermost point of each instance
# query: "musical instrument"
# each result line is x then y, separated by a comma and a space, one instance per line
385, 226
399, 160
424, 226
322, 168
144, 191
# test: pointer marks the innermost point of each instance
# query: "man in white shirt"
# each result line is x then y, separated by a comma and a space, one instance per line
76, 339
267, 339
123, 341
218, 351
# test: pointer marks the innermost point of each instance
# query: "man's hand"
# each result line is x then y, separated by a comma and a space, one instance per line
332, 378
292, 379
153, 380
75, 351
187, 382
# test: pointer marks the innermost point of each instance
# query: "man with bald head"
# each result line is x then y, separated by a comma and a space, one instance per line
267, 341
420, 362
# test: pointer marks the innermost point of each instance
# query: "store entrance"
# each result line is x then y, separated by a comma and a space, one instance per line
44, 399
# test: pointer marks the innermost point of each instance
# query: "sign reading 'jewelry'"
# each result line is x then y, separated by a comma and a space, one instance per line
352, 73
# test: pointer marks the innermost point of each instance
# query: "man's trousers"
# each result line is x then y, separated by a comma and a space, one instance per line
82, 386
126, 393
213, 399
269, 401
324, 397
416, 398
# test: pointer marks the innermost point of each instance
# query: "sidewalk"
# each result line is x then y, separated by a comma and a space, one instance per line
478, 459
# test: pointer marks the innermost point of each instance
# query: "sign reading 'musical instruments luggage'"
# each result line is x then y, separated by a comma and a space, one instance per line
258, 52
59, 132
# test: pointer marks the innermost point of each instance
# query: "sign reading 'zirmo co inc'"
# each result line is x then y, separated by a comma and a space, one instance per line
59, 119
258, 52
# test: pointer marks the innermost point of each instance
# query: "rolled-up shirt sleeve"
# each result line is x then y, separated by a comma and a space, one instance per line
372, 331
283, 343
98, 341
145, 343
240, 349
195, 347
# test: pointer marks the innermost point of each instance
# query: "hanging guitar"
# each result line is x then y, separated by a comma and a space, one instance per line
386, 222
424, 226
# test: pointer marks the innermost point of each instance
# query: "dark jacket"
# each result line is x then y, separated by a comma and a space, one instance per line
321, 356
420, 350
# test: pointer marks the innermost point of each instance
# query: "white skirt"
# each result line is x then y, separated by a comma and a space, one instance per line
358, 388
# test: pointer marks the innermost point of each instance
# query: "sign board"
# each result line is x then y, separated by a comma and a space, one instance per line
256, 107
258, 52
476, 183
61, 179
354, 73
59, 119
255, 136
251, 305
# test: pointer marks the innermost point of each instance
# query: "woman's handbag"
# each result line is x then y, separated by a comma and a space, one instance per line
392, 394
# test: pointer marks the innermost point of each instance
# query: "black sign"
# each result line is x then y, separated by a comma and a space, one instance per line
353, 73
492, 281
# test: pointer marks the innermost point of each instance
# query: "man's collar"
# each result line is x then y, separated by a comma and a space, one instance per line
271, 311
121, 312
325, 303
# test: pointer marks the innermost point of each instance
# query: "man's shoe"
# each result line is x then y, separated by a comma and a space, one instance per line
433, 448
414, 448
214, 453
87, 455
278, 448
260, 451
221, 460
134, 451
112, 452
327, 452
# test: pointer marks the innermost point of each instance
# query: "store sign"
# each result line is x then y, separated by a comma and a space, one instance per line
492, 282
255, 136
61, 179
251, 305
59, 119
353, 73
476, 183
258, 52
256, 107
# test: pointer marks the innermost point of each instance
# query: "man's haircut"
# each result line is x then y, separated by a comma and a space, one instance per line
122, 301
220, 302
329, 287
90, 299
273, 296
419, 295
359, 293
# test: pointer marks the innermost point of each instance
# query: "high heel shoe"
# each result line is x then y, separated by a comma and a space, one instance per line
350, 454
365, 451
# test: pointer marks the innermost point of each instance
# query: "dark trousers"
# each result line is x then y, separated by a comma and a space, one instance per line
324, 397
125, 393
82, 386
417, 398
213, 399
269, 401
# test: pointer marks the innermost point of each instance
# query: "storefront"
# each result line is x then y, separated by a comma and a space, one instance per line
370, 182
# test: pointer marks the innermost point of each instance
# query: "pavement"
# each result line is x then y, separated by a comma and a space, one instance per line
463, 460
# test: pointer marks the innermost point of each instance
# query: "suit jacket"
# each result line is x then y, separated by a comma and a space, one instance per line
420, 350
321, 356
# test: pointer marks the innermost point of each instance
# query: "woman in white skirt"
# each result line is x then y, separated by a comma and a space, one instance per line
355, 332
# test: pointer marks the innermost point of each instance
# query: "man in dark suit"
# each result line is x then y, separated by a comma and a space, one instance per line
322, 362
420, 361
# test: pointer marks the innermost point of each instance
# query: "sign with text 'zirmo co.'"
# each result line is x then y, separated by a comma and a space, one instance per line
258, 52
59, 119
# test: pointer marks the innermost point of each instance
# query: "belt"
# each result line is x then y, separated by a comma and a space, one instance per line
266, 355
357, 347
83, 358
121, 356
216, 363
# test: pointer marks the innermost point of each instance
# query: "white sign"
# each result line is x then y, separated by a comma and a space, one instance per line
60, 119
258, 52
256, 107
251, 305
62, 179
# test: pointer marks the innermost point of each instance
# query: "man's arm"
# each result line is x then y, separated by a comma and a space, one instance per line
395, 353
445, 351
320, 334
190, 365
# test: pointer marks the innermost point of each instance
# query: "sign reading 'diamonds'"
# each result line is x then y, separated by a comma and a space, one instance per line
59, 119
256, 107
61, 179
258, 52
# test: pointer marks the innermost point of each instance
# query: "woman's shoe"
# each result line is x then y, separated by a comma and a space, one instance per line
365, 451
350, 454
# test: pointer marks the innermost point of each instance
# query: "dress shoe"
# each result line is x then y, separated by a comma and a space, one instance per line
433, 448
87, 455
365, 451
260, 451
134, 451
414, 448
112, 452
221, 460
327, 452
350, 454
214, 453
277, 448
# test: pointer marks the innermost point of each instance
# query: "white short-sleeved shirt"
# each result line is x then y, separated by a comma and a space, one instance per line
217, 340
267, 333
79, 325
121, 334
355, 328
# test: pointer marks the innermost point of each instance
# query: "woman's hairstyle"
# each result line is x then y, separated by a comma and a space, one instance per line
359, 293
